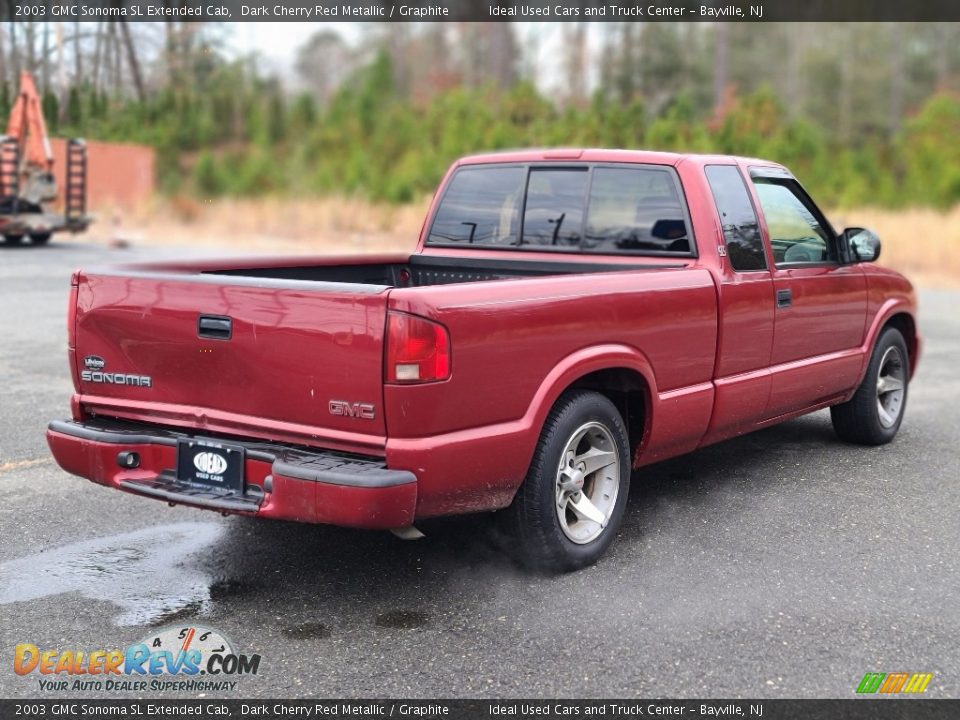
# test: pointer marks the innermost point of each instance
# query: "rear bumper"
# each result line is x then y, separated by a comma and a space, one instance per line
281, 482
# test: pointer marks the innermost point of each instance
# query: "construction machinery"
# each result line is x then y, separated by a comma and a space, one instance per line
28, 187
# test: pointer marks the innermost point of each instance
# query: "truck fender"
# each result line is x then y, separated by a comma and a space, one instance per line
893, 306
584, 362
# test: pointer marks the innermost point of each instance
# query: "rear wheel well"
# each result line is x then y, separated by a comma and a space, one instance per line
908, 328
628, 391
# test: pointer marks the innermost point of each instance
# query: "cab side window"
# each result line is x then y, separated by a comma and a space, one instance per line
741, 231
635, 209
797, 232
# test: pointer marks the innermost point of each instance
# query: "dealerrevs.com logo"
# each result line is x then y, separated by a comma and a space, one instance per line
184, 659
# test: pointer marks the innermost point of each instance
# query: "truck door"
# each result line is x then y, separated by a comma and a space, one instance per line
745, 308
821, 303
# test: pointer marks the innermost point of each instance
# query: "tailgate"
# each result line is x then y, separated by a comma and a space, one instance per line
281, 359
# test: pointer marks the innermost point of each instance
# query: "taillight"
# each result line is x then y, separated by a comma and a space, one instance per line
418, 350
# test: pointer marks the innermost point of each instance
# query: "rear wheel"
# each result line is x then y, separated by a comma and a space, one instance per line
13, 239
41, 238
874, 413
571, 503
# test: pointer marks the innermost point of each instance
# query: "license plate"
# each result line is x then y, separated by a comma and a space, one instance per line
209, 463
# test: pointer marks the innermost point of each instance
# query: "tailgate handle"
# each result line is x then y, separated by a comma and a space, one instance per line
216, 327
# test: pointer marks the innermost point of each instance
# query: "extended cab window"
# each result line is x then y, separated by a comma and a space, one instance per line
741, 231
798, 234
481, 205
635, 209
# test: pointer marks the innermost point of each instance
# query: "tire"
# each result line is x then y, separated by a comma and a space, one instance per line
13, 239
874, 413
548, 517
40, 238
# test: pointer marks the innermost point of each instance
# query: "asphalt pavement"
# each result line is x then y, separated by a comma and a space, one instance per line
781, 564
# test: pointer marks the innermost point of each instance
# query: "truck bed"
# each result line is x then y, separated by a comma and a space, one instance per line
424, 271
266, 347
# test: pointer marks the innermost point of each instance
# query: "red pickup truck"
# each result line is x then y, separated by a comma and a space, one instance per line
568, 316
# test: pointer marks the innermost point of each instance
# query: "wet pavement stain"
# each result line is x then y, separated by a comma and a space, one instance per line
402, 619
148, 573
187, 612
222, 589
307, 631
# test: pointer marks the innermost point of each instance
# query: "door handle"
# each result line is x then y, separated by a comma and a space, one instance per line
215, 327
784, 298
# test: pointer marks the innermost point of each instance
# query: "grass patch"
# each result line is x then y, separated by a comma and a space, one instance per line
924, 244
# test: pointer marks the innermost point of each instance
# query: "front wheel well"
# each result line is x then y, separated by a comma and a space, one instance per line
905, 323
628, 391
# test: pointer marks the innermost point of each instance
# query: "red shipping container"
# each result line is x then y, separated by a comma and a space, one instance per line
119, 175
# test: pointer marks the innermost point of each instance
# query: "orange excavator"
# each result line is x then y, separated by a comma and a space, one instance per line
27, 182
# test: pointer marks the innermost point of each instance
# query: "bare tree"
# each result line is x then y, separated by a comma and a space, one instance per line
943, 44
3, 56
323, 62
721, 63
15, 52
98, 46
77, 55
30, 42
45, 66
61, 71
133, 61
115, 59
794, 37
502, 50
897, 79
845, 100
575, 59
397, 36
170, 43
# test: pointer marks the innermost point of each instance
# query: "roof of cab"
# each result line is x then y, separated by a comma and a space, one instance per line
603, 155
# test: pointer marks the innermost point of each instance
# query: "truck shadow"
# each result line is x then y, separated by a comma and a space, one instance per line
477, 540
748, 458
209, 569
465, 560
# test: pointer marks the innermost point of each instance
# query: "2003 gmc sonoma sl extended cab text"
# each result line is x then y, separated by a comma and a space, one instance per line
569, 315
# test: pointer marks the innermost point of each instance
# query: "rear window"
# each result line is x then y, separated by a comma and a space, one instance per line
481, 206
554, 209
598, 209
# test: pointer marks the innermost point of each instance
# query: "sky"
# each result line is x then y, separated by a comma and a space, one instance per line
278, 42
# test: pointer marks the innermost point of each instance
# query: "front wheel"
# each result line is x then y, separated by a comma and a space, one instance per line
40, 238
874, 413
570, 505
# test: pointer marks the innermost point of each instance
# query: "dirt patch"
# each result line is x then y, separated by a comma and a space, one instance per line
327, 225
922, 243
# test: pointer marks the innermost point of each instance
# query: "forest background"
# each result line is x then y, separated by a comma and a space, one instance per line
354, 132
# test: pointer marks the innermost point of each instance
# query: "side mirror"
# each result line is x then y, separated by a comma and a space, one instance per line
862, 245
